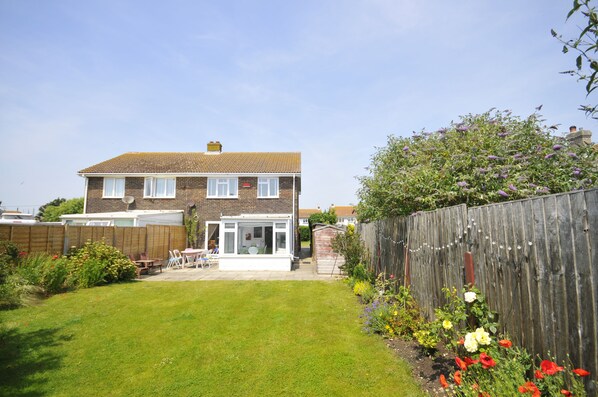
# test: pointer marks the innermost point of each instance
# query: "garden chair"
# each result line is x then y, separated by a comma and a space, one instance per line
174, 260
213, 257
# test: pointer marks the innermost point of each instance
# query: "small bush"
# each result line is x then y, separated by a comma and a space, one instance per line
53, 276
304, 233
350, 246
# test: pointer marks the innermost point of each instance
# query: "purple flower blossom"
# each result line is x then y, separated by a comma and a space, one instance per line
441, 131
482, 170
532, 185
406, 149
462, 184
543, 190
503, 193
549, 155
503, 134
503, 176
462, 128
573, 155
518, 156
512, 187
492, 157
557, 147
577, 172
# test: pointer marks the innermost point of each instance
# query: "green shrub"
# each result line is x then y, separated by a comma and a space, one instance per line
53, 276
304, 233
97, 263
350, 246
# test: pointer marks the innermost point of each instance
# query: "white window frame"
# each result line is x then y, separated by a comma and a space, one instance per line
114, 193
267, 183
229, 186
150, 184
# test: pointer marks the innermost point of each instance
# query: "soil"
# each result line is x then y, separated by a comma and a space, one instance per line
426, 369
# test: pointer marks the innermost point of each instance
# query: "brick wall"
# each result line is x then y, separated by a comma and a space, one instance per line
194, 189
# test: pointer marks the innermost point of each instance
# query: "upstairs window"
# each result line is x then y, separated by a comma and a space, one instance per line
114, 187
158, 187
267, 187
223, 187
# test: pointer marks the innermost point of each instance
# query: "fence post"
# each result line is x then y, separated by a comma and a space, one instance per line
469, 273
407, 268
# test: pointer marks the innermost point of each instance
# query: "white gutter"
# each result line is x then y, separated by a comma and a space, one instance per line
293, 218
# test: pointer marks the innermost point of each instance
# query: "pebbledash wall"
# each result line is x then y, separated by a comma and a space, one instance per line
194, 190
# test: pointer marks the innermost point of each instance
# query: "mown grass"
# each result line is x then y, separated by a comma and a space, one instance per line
214, 338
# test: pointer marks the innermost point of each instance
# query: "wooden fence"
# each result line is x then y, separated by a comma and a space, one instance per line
535, 260
156, 240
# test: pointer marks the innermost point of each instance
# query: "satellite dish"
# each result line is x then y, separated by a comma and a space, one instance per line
128, 199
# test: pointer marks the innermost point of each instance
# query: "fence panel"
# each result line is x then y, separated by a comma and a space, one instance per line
57, 239
535, 260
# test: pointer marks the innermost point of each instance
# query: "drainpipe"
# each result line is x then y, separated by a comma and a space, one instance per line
85, 197
293, 217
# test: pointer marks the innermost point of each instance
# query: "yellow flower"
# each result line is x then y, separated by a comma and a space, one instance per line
446, 324
396, 313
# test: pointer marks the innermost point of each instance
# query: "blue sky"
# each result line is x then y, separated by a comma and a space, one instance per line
84, 81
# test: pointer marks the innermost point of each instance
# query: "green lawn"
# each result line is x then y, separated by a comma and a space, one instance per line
213, 338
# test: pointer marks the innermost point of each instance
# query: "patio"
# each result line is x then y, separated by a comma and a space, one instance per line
304, 269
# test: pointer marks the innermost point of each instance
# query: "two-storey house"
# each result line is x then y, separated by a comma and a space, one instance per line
247, 203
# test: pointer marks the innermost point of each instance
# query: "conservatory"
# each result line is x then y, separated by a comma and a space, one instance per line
256, 242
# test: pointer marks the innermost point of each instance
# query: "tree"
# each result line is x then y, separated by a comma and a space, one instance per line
54, 203
51, 213
328, 217
586, 46
483, 159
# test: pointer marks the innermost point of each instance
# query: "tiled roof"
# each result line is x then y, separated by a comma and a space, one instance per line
344, 210
306, 212
194, 162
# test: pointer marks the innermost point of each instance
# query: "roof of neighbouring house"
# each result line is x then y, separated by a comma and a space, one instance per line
199, 163
306, 212
344, 210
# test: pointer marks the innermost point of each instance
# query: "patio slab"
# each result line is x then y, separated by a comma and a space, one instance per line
304, 270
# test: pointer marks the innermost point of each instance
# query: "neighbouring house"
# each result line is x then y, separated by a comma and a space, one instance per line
305, 213
247, 203
345, 214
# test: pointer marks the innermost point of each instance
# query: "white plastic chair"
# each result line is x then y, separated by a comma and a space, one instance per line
175, 259
213, 257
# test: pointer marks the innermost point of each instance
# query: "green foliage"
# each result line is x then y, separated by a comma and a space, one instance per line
54, 203
98, 263
365, 290
52, 213
585, 46
192, 228
325, 217
304, 233
487, 158
352, 248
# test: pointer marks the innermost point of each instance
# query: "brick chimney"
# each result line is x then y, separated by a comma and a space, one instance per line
214, 147
579, 137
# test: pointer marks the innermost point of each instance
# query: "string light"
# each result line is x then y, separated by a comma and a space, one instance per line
458, 241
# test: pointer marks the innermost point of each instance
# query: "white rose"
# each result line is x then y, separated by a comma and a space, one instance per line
482, 337
471, 344
470, 296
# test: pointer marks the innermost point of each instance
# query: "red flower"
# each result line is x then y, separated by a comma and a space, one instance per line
22, 254
392, 276
55, 257
566, 393
549, 367
487, 361
538, 374
460, 363
457, 377
461, 341
470, 361
443, 381
530, 387
505, 343
581, 372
